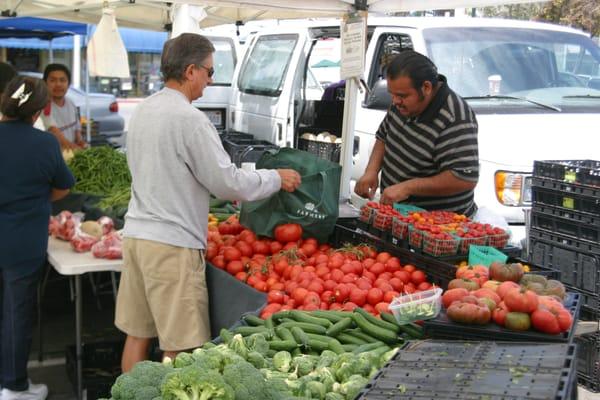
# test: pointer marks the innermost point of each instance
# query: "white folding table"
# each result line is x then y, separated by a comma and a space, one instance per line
67, 262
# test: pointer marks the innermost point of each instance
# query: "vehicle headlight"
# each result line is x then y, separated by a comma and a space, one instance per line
513, 188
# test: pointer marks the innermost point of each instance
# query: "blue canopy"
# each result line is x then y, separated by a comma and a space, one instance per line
41, 28
135, 40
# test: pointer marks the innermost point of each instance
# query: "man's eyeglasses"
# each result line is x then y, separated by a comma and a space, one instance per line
210, 71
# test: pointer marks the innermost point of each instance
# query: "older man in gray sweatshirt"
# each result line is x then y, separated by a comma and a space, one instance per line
176, 160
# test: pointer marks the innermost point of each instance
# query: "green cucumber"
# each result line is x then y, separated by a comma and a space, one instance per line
339, 327
253, 320
280, 315
385, 335
361, 335
349, 339
368, 347
306, 327
350, 348
376, 321
280, 345
269, 323
336, 347
284, 333
300, 337
412, 330
330, 315
301, 316
250, 330
318, 345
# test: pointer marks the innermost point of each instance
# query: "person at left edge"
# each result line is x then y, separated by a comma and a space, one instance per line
32, 174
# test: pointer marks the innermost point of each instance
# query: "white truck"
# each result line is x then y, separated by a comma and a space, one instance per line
535, 88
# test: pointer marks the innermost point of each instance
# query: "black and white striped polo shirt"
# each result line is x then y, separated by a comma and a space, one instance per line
443, 137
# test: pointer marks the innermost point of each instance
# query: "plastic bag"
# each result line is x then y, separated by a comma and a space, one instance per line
107, 225
82, 242
65, 224
110, 247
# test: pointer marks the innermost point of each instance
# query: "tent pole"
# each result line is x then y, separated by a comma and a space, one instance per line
77, 61
50, 51
88, 125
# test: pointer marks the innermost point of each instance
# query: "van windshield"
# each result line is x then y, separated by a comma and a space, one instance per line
265, 67
550, 67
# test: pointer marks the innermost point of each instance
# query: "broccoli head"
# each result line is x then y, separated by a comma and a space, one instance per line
247, 381
183, 359
191, 383
257, 342
238, 345
303, 365
352, 387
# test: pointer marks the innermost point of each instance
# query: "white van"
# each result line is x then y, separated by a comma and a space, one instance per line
215, 99
547, 105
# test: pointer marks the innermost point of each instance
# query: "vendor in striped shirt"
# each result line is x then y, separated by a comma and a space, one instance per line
426, 147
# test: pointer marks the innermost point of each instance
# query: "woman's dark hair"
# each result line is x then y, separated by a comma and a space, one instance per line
57, 67
415, 66
7, 72
32, 99
180, 52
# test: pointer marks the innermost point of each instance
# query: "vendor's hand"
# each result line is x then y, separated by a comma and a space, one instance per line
81, 144
290, 179
367, 185
69, 145
395, 193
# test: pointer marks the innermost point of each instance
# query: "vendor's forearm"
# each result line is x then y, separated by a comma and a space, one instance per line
58, 194
442, 184
376, 158
64, 142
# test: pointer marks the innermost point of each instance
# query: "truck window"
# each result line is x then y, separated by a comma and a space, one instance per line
266, 65
543, 65
224, 61
388, 45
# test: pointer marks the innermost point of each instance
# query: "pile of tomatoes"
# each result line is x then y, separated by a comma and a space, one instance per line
303, 274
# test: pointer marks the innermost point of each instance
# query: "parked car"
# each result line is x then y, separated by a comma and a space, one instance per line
104, 109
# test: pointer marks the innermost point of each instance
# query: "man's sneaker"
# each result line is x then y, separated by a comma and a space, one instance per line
34, 392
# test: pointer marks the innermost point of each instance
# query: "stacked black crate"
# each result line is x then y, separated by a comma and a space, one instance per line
565, 226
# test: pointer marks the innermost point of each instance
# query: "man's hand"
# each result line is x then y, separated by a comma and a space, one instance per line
290, 179
395, 193
81, 144
367, 185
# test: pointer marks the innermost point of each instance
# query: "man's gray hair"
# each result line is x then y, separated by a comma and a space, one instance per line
180, 52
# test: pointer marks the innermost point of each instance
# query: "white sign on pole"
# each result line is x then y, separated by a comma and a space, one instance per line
354, 39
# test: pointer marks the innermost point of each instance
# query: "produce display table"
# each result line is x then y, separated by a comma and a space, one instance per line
67, 262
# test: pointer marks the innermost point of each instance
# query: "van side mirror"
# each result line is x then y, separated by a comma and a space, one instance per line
594, 83
379, 98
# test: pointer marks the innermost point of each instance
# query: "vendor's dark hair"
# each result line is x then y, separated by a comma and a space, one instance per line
36, 101
7, 72
414, 65
180, 52
57, 67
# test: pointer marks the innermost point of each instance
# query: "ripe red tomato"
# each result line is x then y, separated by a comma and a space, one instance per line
382, 307
299, 294
219, 262
261, 247
337, 275
244, 248
316, 286
231, 253
276, 247
418, 277
288, 233
358, 297
233, 267
397, 284
247, 236
363, 283
377, 268
388, 297
349, 306
341, 292
327, 297
383, 257
241, 276
211, 250
393, 264
308, 249
424, 286
374, 296
409, 268
312, 298
276, 296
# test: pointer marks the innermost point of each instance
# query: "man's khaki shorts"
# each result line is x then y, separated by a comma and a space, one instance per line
163, 293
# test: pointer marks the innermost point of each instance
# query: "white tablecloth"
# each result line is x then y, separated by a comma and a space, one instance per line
67, 262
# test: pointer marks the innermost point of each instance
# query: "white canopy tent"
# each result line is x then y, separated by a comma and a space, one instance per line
157, 15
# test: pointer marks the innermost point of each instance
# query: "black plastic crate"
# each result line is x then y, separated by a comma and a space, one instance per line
101, 366
578, 269
350, 233
442, 327
565, 241
586, 172
246, 150
590, 304
553, 222
588, 360
568, 196
328, 151
477, 370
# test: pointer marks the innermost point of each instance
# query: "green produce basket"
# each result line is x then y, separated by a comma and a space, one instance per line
485, 255
404, 209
